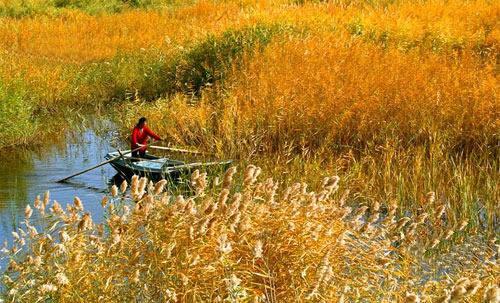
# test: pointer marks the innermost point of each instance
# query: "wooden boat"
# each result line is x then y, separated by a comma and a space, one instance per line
157, 168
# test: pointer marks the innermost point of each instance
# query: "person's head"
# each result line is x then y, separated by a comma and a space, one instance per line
142, 122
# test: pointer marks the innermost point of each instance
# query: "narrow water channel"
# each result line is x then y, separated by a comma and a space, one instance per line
28, 173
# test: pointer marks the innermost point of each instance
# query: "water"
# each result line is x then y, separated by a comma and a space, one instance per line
26, 174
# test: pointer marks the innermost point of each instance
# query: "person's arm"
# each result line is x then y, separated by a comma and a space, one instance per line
151, 133
134, 139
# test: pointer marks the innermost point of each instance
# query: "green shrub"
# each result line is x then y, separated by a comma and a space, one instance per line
209, 61
16, 120
153, 73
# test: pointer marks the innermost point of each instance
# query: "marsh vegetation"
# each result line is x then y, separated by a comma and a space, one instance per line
397, 98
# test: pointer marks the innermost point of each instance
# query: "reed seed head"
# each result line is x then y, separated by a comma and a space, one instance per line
28, 212
114, 191
159, 187
78, 204
123, 186
412, 298
62, 279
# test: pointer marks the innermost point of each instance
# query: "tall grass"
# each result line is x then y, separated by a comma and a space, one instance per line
342, 94
211, 60
71, 58
401, 123
399, 98
248, 240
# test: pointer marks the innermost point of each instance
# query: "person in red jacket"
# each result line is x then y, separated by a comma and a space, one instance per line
140, 135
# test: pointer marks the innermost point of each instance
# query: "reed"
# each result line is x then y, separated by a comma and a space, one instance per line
396, 124
243, 241
396, 98
70, 59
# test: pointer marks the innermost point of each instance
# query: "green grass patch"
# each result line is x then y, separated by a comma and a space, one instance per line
30, 8
16, 121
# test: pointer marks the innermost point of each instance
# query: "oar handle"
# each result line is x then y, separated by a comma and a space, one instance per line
174, 149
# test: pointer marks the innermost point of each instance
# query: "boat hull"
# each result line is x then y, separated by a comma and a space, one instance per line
156, 168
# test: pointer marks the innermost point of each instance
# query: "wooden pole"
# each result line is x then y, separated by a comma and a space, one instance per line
195, 165
176, 149
98, 165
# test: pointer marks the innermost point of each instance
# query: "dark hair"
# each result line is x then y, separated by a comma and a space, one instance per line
141, 121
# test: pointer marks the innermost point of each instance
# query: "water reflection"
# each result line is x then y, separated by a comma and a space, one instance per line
26, 174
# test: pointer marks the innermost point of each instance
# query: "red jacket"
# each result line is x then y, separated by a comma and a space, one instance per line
140, 136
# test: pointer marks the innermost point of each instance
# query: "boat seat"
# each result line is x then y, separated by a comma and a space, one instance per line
149, 164
158, 163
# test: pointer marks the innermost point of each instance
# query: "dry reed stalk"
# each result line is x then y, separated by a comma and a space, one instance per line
286, 244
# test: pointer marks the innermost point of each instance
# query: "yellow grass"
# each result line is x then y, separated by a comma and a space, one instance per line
331, 90
249, 241
40, 49
399, 98
398, 124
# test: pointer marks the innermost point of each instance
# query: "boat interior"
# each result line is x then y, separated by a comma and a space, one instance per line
148, 162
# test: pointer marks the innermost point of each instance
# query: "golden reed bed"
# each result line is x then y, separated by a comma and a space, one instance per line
246, 241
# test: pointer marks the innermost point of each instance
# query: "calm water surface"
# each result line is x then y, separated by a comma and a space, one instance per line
26, 174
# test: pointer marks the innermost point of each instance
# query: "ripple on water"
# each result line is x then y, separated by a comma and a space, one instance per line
28, 173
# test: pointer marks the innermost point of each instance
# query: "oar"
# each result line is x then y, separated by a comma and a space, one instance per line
98, 165
176, 149
195, 165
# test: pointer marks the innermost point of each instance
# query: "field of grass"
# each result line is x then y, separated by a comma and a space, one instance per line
398, 98
71, 59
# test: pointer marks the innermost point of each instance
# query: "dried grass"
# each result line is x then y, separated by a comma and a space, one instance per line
266, 244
